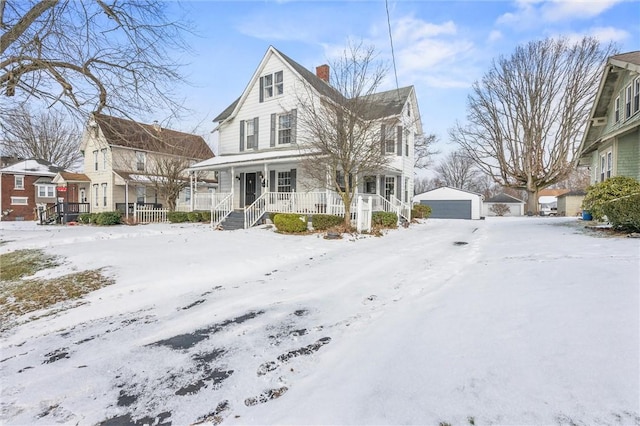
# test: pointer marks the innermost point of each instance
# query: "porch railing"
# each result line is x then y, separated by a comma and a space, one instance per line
222, 208
149, 214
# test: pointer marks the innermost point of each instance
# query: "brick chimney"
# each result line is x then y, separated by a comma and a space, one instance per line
322, 72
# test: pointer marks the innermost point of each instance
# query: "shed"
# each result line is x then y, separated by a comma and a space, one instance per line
570, 203
451, 203
516, 206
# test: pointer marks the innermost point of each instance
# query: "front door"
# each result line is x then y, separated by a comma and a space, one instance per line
250, 188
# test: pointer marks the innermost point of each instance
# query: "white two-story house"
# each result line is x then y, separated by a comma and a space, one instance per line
261, 145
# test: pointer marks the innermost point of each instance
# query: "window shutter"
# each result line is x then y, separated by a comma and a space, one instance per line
272, 180
399, 140
241, 135
293, 179
382, 141
272, 136
255, 133
261, 89
294, 125
399, 187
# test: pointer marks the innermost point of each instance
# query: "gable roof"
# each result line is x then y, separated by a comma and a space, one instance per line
384, 104
503, 198
599, 109
71, 177
551, 192
444, 187
33, 167
150, 137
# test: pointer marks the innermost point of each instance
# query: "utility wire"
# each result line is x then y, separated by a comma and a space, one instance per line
393, 55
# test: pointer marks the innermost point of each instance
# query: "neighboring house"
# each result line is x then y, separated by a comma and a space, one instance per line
126, 162
516, 206
25, 186
260, 144
611, 143
570, 203
451, 203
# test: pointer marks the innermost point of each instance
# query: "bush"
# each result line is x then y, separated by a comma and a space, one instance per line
177, 217
272, 217
322, 222
420, 211
194, 216
290, 222
499, 209
384, 219
624, 213
205, 216
84, 218
600, 193
109, 218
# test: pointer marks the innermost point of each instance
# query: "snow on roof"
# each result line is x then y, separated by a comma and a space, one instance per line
33, 167
243, 159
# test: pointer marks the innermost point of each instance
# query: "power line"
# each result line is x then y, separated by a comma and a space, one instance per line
393, 55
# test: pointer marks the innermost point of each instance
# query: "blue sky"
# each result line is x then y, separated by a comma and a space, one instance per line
441, 47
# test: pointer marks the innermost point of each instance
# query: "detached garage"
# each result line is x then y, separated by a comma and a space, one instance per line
451, 203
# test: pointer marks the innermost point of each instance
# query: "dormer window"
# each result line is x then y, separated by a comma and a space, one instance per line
271, 85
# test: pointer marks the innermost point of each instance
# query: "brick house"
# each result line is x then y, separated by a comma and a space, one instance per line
24, 186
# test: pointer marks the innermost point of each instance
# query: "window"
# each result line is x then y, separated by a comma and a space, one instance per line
18, 182
284, 128
390, 140
271, 85
140, 194
19, 201
606, 165
46, 191
104, 195
341, 182
95, 160
408, 110
284, 181
627, 102
406, 189
141, 159
369, 184
636, 95
187, 194
617, 109
95, 195
251, 134
406, 143
104, 159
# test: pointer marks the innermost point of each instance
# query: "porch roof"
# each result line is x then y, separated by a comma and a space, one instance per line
244, 159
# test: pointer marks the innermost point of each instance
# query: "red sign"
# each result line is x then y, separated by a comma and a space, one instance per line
61, 188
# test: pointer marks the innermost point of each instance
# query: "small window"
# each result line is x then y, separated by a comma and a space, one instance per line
19, 201
18, 182
627, 102
284, 129
369, 184
636, 95
104, 159
390, 140
279, 83
95, 160
609, 163
284, 181
46, 191
268, 86
272, 85
617, 109
95, 195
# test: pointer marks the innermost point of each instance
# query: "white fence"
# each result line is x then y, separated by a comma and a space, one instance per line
143, 214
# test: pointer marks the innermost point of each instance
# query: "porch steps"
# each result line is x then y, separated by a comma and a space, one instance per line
235, 220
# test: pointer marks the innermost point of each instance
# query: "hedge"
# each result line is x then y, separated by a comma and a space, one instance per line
603, 192
194, 216
322, 222
177, 217
624, 213
290, 222
384, 219
103, 218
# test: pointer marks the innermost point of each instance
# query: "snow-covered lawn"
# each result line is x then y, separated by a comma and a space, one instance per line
532, 321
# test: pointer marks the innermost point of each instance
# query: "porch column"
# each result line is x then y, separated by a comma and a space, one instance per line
126, 199
265, 176
191, 186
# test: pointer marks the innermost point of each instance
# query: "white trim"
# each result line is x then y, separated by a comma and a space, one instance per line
17, 201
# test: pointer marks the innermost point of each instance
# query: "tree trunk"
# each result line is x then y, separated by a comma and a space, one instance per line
532, 201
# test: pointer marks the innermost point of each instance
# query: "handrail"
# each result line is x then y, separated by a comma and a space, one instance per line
254, 212
221, 210
403, 209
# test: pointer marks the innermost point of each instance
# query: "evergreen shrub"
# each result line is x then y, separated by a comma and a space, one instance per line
384, 219
322, 222
601, 193
290, 222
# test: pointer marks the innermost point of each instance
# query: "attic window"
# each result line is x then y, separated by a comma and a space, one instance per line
271, 85
617, 109
18, 182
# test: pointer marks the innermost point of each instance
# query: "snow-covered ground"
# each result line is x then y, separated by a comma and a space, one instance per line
532, 321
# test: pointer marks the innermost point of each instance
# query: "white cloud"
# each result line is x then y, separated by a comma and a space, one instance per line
532, 13
494, 35
603, 34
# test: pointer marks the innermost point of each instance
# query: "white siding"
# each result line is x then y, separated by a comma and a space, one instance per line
446, 193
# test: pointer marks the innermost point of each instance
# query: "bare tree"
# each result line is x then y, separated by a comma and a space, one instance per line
424, 184
89, 55
46, 136
527, 115
341, 131
457, 170
424, 150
